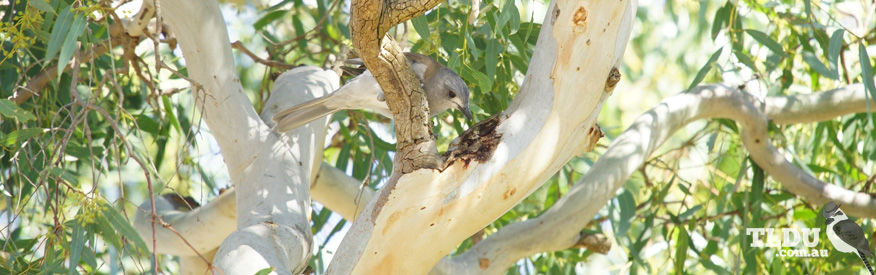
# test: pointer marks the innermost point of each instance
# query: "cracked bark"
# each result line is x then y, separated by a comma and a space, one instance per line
369, 21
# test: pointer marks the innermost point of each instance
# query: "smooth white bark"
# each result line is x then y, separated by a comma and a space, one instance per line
559, 227
551, 119
207, 226
271, 177
219, 216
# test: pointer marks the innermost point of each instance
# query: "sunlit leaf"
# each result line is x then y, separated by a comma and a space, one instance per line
11, 110
836, 44
681, 245
819, 67
705, 69
268, 19
866, 73
768, 42
20, 135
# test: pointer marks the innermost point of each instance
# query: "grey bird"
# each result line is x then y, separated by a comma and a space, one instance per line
443, 87
846, 235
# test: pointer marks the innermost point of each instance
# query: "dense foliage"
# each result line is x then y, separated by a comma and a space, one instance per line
112, 119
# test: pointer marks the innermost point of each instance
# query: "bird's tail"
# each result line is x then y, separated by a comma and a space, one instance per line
303, 113
866, 262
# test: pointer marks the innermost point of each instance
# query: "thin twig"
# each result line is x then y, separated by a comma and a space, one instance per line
270, 63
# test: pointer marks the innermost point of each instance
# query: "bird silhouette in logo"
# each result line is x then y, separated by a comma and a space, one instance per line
845, 234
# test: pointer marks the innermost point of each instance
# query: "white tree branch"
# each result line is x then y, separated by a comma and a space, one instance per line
559, 227
502, 159
807, 108
339, 192
205, 227
271, 177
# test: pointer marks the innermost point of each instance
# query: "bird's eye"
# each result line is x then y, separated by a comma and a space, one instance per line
451, 94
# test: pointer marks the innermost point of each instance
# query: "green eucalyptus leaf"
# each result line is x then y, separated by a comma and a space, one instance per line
11, 110
123, 226
268, 19
59, 33
69, 45
421, 26
767, 41
833, 52
76, 245
41, 5
705, 69
18, 136
682, 243
819, 67
867, 74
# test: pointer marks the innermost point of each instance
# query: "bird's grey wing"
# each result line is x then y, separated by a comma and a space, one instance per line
429, 66
298, 115
851, 233
362, 92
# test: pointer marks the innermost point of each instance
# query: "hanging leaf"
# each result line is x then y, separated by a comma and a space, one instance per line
705, 69
492, 57
59, 33
819, 67
767, 41
268, 18
123, 226
41, 5
721, 17
833, 52
421, 26
70, 42
76, 245
681, 245
867, 74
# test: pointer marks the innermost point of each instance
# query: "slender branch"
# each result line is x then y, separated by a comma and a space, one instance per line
124, 33
38, 82
629, 150
189, 232
814, 107
270, 63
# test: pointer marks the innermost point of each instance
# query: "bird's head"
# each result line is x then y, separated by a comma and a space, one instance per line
832, 212
452, 92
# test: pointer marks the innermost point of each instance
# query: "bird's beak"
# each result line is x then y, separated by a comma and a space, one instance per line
465, 111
